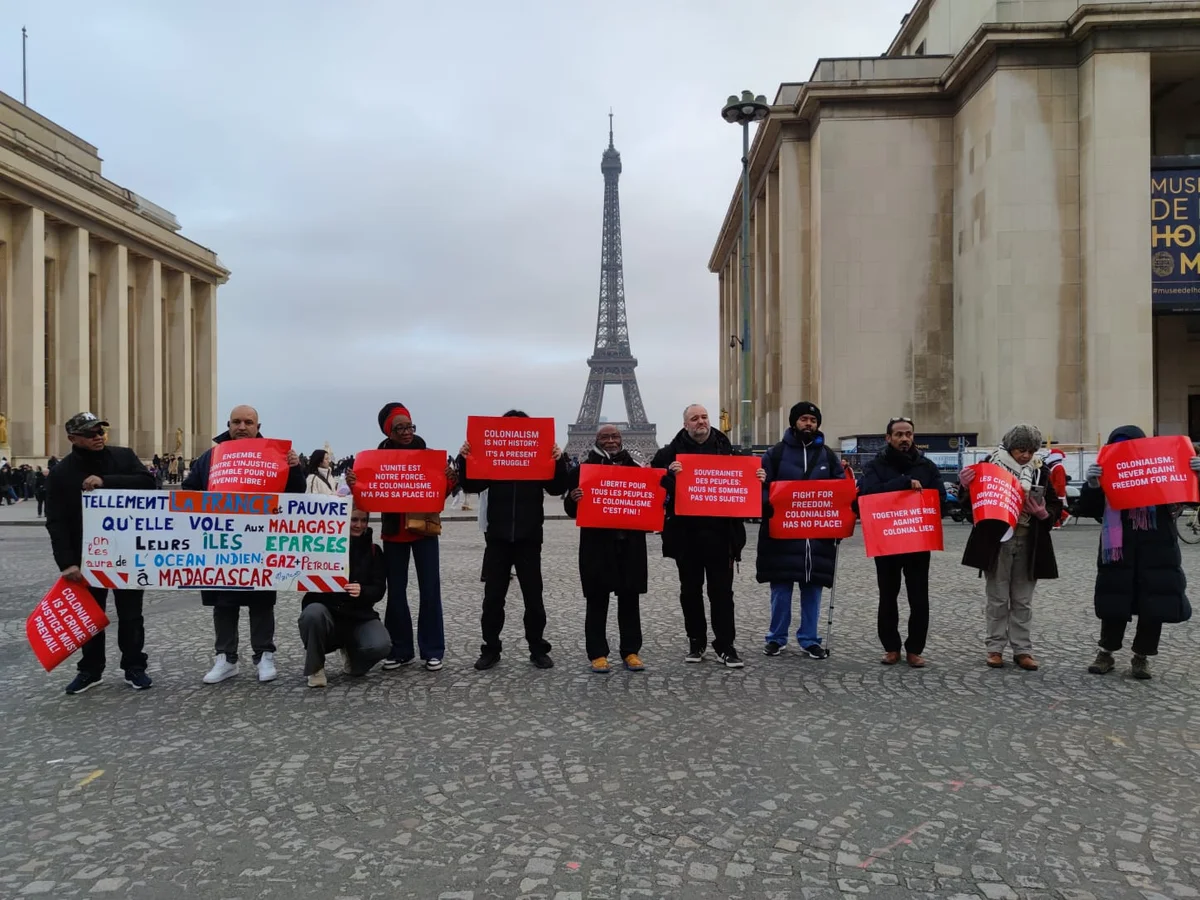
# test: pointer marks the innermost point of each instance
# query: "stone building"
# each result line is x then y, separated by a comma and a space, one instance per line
961, 230
104, 305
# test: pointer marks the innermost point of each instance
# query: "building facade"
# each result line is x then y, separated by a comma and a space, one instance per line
962, 230
104, 306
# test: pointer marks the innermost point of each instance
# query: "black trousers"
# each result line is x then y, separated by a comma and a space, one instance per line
262, 630
1145, 639
914, 568
131, 633
629, 623
499, 559
705, 557
322, 632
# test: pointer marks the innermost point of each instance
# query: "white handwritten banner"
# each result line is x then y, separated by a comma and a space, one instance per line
186, 540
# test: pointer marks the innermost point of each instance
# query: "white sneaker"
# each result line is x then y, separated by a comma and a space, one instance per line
266, 667
221, 670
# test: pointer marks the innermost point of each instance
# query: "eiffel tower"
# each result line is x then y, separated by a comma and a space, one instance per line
612, 362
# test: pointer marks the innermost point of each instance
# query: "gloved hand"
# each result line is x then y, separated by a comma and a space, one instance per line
1036, 506
1093, 475
966, 476
1195, 464
768, 510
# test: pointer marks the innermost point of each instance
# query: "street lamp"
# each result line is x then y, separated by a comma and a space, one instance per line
742, 111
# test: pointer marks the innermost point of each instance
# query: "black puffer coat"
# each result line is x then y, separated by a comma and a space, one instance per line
679, 530
610, 560
796, 561
1148, 579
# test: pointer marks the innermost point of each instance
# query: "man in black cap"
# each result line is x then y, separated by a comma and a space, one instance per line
91, 465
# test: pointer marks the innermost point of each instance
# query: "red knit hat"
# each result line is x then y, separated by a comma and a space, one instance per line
389, 414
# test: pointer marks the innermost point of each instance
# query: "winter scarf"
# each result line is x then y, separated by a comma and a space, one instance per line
1143, 518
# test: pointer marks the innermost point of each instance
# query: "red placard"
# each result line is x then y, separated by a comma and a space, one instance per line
996, 494
623, 497
249, 465
400, 481
510, 448
718, 486
64, 621
813, 509
901, 522
1149, 472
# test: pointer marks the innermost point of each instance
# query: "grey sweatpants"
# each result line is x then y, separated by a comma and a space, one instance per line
1009, 609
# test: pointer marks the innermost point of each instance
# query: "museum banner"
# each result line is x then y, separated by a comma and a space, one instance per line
1174, 244
188, 540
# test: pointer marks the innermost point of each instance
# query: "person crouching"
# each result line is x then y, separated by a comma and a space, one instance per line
348, 622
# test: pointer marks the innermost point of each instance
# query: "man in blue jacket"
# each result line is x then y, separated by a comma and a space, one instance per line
802, 455
900, 466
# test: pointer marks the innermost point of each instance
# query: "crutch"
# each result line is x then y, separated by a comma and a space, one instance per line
837, 558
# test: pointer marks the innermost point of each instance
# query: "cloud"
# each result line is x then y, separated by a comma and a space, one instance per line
409, 194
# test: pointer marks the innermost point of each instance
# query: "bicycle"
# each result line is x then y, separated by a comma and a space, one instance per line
1189, 524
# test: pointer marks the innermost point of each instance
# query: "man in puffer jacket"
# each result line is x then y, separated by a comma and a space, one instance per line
802, 455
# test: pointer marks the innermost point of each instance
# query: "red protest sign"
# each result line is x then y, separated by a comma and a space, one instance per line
901, 522
249, 465
621, 497
812, 509
1149, 472
64, 621
718, 486
510, 448
400, 481
996, 494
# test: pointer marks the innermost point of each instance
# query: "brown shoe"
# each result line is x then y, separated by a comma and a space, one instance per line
891, 658
1026, 661
995, 661
917, 662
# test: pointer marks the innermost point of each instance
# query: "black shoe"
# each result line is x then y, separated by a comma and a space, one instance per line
1141, 668
487, 659
731, 659
82, 682
1103, 665
695, 655
816, 651
772, 649
541, 660
138, 679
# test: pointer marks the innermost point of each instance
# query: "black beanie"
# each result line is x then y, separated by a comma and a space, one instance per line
804, 408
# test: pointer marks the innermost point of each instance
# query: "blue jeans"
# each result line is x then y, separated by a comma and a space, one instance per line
781, 614
431, 635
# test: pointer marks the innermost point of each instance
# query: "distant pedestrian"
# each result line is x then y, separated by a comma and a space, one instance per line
39, 489
320, 478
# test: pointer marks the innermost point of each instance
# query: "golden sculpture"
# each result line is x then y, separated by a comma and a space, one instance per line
3, 430
178, 440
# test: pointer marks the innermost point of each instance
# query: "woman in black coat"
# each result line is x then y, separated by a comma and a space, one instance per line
1139, 570
611, 561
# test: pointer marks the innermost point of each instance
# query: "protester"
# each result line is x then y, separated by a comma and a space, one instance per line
415, 535
611, 561
515, 515
226, 605
6, 485
91, 465
704, 548
802, 455
900, 466
39, 489
1139, 571
1014, 560
348, 621
320, 479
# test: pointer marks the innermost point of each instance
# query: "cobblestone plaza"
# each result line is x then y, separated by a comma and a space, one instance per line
792, 778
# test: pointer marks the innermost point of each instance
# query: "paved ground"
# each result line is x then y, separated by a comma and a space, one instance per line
790, 779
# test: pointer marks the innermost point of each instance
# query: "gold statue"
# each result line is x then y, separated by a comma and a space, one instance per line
178, 440
3, 430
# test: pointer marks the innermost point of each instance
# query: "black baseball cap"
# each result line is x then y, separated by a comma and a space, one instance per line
84, 423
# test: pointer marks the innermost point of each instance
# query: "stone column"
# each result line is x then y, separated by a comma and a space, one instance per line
179, 362
204, 303
758, 318
797, 381
147, 439
74, 331
113, 343
1114, 214
27, 335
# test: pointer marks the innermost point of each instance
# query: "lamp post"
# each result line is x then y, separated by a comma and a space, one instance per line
742, 111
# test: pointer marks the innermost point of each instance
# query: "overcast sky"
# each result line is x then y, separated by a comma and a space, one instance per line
409, 194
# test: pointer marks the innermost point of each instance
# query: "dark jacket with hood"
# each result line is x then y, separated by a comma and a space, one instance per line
983, 545
796, 458
679, 530
611, 560
197, 480
121, 470
368, 570
1148, 579
515, 508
